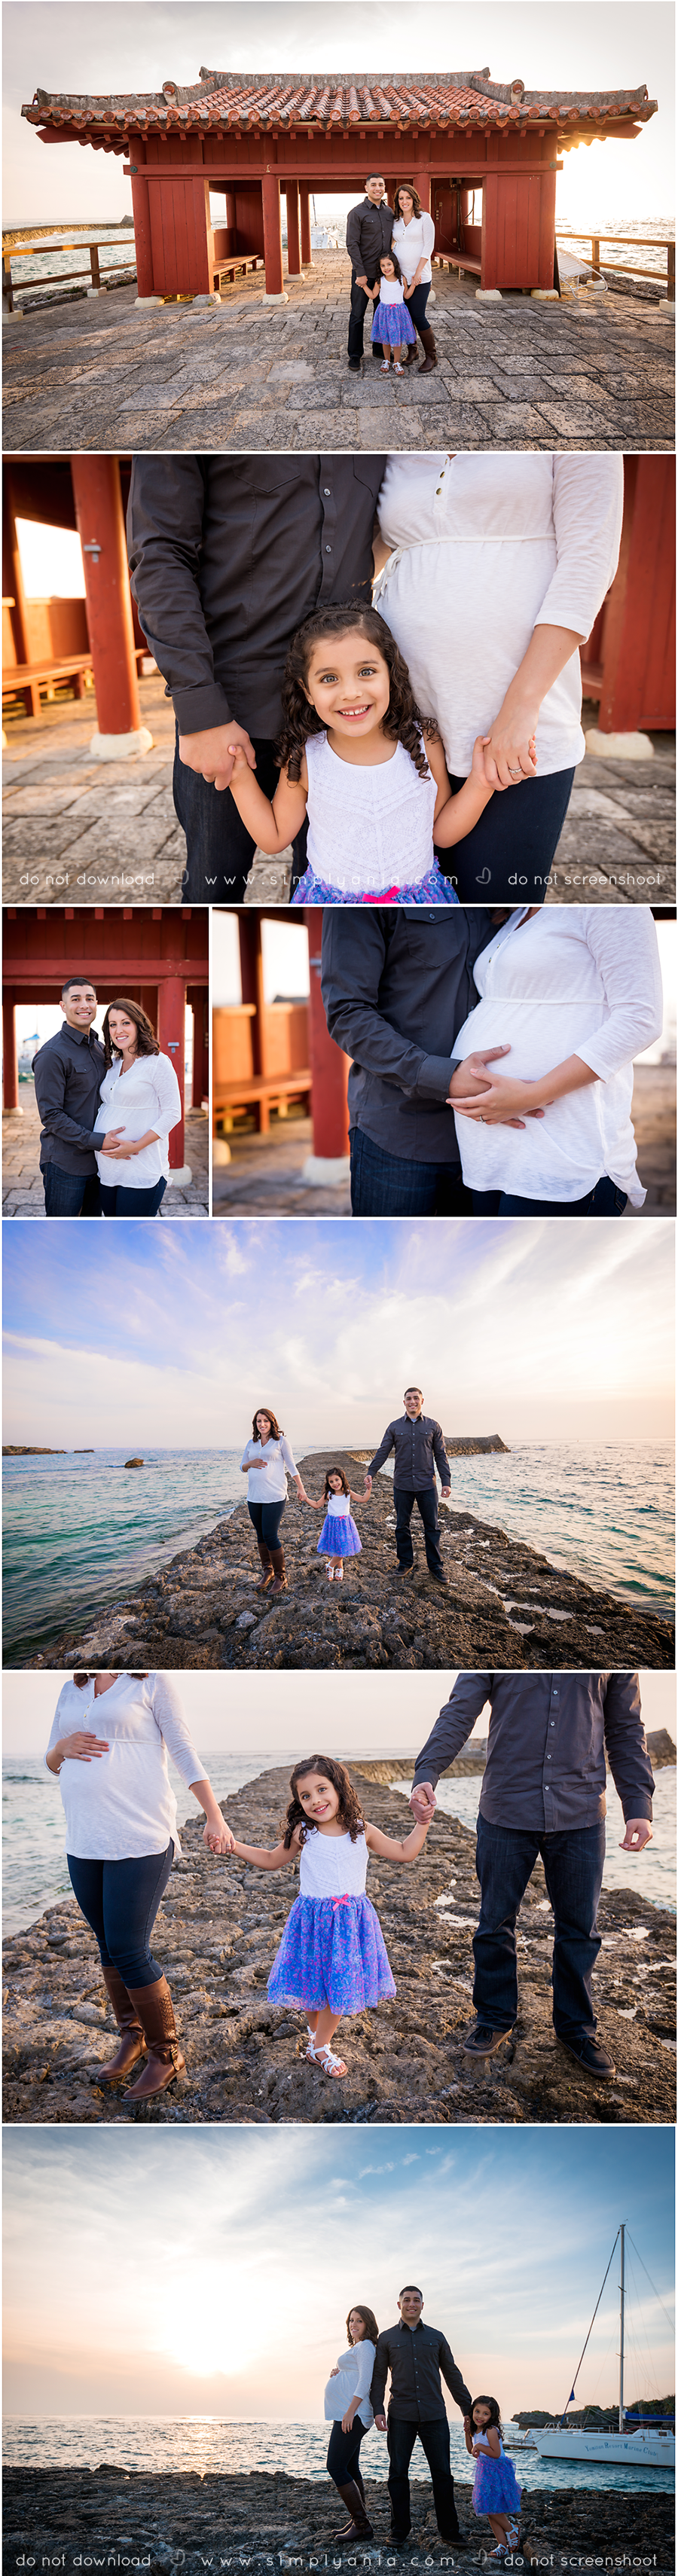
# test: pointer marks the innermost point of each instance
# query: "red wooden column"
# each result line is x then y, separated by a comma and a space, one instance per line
293, 241
10, 1096
270, 199
329, 1068
305, 225
197, 997
142, 230
422, 182
171, 1016
101, 528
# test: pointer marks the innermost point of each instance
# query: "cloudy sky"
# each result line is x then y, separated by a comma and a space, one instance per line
172, 1334
365, 1713
177, 2270
96, 46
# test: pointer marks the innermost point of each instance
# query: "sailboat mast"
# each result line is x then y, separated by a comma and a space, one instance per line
621, 2335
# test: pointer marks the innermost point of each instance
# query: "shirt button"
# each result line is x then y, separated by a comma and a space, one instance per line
327, 491
548, 1757
328, 550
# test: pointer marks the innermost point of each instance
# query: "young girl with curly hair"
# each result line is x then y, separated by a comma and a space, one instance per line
339, 1536
332, 1957
355, 752
392, 327
496, 2493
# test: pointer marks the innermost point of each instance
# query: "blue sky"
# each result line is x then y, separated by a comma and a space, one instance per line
177, 2270
172, 1335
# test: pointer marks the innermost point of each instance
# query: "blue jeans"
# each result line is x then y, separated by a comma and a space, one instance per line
435, 2443
125, 1202
573, 1869
604, 1200
359, 304
388, 1185
507, 857
219, 850
67, 1194
427, 1504
266, 1518
119, 1900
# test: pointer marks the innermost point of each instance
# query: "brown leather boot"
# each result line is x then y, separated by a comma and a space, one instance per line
277, 1555
267, 1569
430, 353
129, 2026
164, 2060
359, 2528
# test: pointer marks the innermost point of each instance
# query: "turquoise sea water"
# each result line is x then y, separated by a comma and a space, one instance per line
80, 1532
209, 2443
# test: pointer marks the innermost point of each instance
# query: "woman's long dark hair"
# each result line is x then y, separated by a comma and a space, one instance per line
350, 1811
147, 1042
495, 2423
368, 2318
276, 1433
395, 263
345, 1487
402, 721
410, 191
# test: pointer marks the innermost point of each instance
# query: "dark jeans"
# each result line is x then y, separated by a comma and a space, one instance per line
604, 1200
219, 850
387, 1185
416, 306
343, 2454
507, 857
266, 1518
573, 1869
359, 304
428, 1506
119, 1900
123, 1202
435, 2443
66, 1194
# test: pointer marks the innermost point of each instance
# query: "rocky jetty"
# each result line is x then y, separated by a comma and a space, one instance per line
11, 1451
75, 2518
503, 1605
216, 1935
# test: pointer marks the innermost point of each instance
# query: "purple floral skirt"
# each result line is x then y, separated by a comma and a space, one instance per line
392, 325
495, 2487
332, 1954
433, 888
339, 1536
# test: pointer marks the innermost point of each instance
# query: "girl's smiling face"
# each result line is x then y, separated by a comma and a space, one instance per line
387, 268
348, 684
481, 2418
335, 1483
318, 1798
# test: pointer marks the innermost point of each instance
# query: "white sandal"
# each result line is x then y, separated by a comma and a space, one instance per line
338, 1573
397, 369
330, 1573
328, 2063
384, 368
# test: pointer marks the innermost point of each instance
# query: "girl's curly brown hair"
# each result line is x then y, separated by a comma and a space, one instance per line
395, 263
276, 1433
369, 2322
495, 2423
350, 1811
402, 721
147, 1042
345, 1487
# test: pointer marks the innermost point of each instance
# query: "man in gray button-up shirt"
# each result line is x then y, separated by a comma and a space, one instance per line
419, 1447
543, 1792
417, 2356
68, 1072
368, 236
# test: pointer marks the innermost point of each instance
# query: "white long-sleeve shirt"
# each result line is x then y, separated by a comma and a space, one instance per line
354, 2378
268, 1484
412, 242
577, 980
147, 1096
120, 1805
488, 547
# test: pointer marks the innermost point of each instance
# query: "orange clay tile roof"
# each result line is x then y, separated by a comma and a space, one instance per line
258, 102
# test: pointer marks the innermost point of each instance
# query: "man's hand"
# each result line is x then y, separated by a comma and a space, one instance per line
638, 1833
367, 1486
422, 1801
362, 281
380, 2421
210, 754
472, 1075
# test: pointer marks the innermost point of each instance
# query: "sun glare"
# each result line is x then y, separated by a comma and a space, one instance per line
217, 2322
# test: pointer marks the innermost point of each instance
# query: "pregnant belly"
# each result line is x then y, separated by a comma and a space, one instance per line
539, 1034
543, 1158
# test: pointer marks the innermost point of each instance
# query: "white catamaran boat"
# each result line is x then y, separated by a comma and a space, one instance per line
635, 2445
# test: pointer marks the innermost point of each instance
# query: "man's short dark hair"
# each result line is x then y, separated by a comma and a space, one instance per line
411, 2285
73, 980
413, 1390
376, 174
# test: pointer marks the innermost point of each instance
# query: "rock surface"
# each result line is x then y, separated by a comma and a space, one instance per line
502, 1606
266, 2520
216, 1935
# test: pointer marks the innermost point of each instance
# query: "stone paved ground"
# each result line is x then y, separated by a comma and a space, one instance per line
22, 1191
593, 371
77, 831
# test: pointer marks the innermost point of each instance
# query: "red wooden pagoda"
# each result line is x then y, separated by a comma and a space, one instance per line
252, 138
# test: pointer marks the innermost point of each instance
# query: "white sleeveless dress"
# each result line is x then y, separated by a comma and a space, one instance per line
332, 1950
495, 2486
339, 1536
370, 831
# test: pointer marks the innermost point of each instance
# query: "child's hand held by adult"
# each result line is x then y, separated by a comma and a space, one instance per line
212, 753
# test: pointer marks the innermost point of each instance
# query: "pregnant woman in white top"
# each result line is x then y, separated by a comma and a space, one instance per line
108, 1749
267, 1462
348, 2409
140, 1097
413, 237
497, 567
575, 994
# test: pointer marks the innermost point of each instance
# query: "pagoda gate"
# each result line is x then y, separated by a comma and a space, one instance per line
251, 139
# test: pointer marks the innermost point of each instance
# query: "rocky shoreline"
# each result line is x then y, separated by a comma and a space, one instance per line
216, 1935
74, 2518
503, 1605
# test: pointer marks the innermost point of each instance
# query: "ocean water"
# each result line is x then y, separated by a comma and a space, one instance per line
54, 265
34, 1861
211, 2444
80, 1532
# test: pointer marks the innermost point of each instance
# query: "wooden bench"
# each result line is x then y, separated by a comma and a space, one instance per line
456, 259
26, 679
241, 265
266, 1091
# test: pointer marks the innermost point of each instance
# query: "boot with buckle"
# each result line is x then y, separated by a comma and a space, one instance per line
129, 2026
164, 2057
